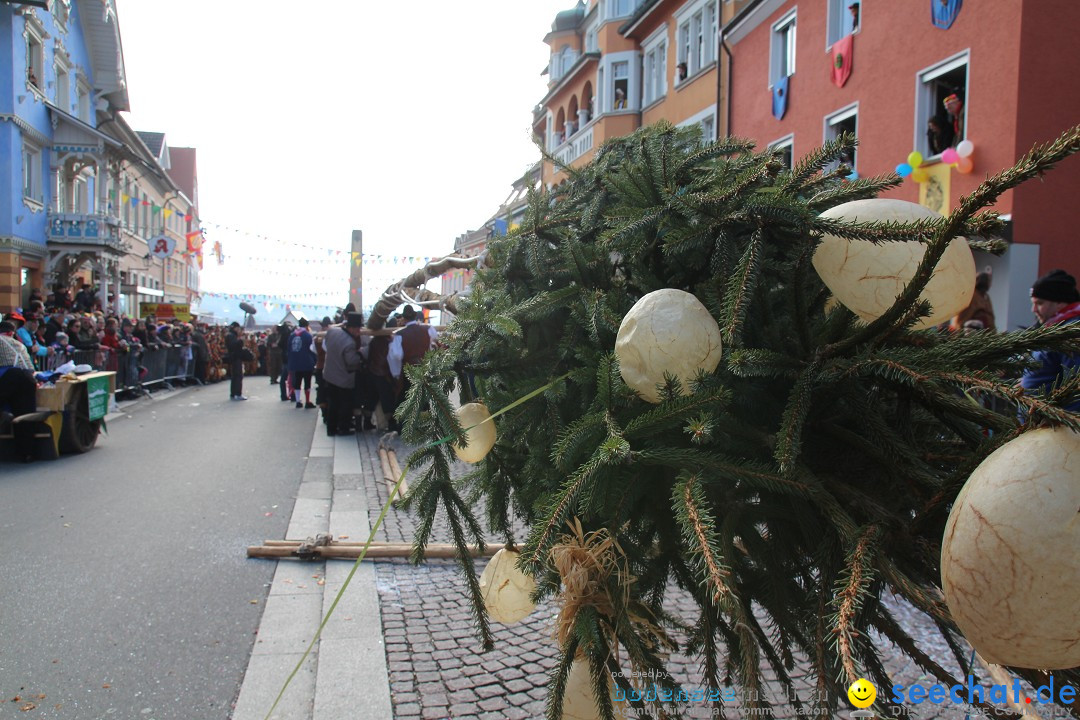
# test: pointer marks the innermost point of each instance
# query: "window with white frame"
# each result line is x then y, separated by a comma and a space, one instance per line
941, 105
782, 50
620, 83
591, 43
82, 99
31, 172
621, 8
34, 34
61, 10
843, 121
785, 146
655, 67
708, 128
62, 68
696, 37
843, 19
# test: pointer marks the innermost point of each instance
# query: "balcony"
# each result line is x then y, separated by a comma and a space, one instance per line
579, 143
77, 229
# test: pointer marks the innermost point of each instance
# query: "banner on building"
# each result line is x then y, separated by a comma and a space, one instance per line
779, 98
934, 193
842, 58
166, 311
943, 12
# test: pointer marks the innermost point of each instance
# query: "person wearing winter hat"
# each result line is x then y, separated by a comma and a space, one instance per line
1055, 301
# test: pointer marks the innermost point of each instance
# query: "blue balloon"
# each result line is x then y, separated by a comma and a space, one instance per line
903, 169
853, 176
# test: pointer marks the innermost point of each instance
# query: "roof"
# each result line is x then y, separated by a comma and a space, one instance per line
184, 172
153, 140
569, 19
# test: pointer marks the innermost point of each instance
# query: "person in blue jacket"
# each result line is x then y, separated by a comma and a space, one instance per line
1055, 301
302, 363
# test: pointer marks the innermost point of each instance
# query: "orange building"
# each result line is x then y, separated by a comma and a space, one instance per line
617, 65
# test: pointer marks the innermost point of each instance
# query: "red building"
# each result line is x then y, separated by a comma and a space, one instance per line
1011, 62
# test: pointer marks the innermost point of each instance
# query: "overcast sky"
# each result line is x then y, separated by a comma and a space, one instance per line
408, 121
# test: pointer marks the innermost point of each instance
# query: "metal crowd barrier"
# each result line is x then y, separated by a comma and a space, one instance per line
136, 368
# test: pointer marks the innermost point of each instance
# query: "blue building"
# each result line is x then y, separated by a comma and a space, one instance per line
61, 78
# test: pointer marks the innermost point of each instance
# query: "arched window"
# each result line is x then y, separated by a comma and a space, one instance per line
560, 127
587, 102
572, 124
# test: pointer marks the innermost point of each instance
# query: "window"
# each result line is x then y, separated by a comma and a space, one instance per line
621, 8
843, 121
620, 76
656, 71
939, 126
843, 19
591, 44
696, 39
782, 57
786, 148
61, 10
708, 128
34, 33
82, 103
31, 171
63, 84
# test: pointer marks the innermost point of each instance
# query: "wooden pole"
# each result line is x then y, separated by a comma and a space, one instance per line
351, 551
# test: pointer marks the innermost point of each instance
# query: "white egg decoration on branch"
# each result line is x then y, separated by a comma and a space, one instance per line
669, 331
867, 277
1010, 557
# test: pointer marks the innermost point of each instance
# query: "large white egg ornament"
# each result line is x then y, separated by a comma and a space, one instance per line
666, 330
507, 591
481, 436
1010, 558
867, 277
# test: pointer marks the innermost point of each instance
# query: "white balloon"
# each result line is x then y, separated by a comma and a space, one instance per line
481, 438
964, 148
506, 590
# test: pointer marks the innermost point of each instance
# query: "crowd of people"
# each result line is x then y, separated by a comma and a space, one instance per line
341, 368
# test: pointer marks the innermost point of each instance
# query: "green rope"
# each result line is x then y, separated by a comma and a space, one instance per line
375, 529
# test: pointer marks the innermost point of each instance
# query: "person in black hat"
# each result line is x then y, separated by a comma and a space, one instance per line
1055, 301
234, 353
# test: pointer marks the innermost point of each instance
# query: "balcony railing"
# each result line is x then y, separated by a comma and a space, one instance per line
578, 144
97, 229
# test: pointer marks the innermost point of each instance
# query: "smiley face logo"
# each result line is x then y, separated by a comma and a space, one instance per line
862, 693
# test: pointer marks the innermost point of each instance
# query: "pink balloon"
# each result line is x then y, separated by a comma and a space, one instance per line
949, 156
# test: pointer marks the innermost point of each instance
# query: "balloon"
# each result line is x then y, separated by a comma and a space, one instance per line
903, 169
920, 175
949, 156
853, 176
964, 148
965, 165
914, 159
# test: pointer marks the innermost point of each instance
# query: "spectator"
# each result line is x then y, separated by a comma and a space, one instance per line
18, 390
980, 309
24, 333
84, 299
954, 106
85, 337
201, 351
382, 379
1055, 301
939, 134
54, 325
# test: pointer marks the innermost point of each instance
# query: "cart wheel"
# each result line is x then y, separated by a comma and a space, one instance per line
79, 433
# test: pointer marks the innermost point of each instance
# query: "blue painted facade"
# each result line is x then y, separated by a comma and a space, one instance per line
55, 119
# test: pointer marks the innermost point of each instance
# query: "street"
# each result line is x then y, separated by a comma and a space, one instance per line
126, 590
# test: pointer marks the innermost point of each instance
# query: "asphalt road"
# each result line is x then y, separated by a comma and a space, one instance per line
125, 591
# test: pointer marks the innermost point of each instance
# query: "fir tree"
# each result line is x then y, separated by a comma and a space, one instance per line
812, 472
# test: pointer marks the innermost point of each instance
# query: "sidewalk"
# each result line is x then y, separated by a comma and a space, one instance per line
401, 644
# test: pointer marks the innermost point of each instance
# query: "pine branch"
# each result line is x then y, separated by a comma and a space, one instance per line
739, 289
700, 533
851, 591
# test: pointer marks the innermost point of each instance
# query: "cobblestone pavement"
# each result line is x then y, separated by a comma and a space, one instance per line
437, 669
